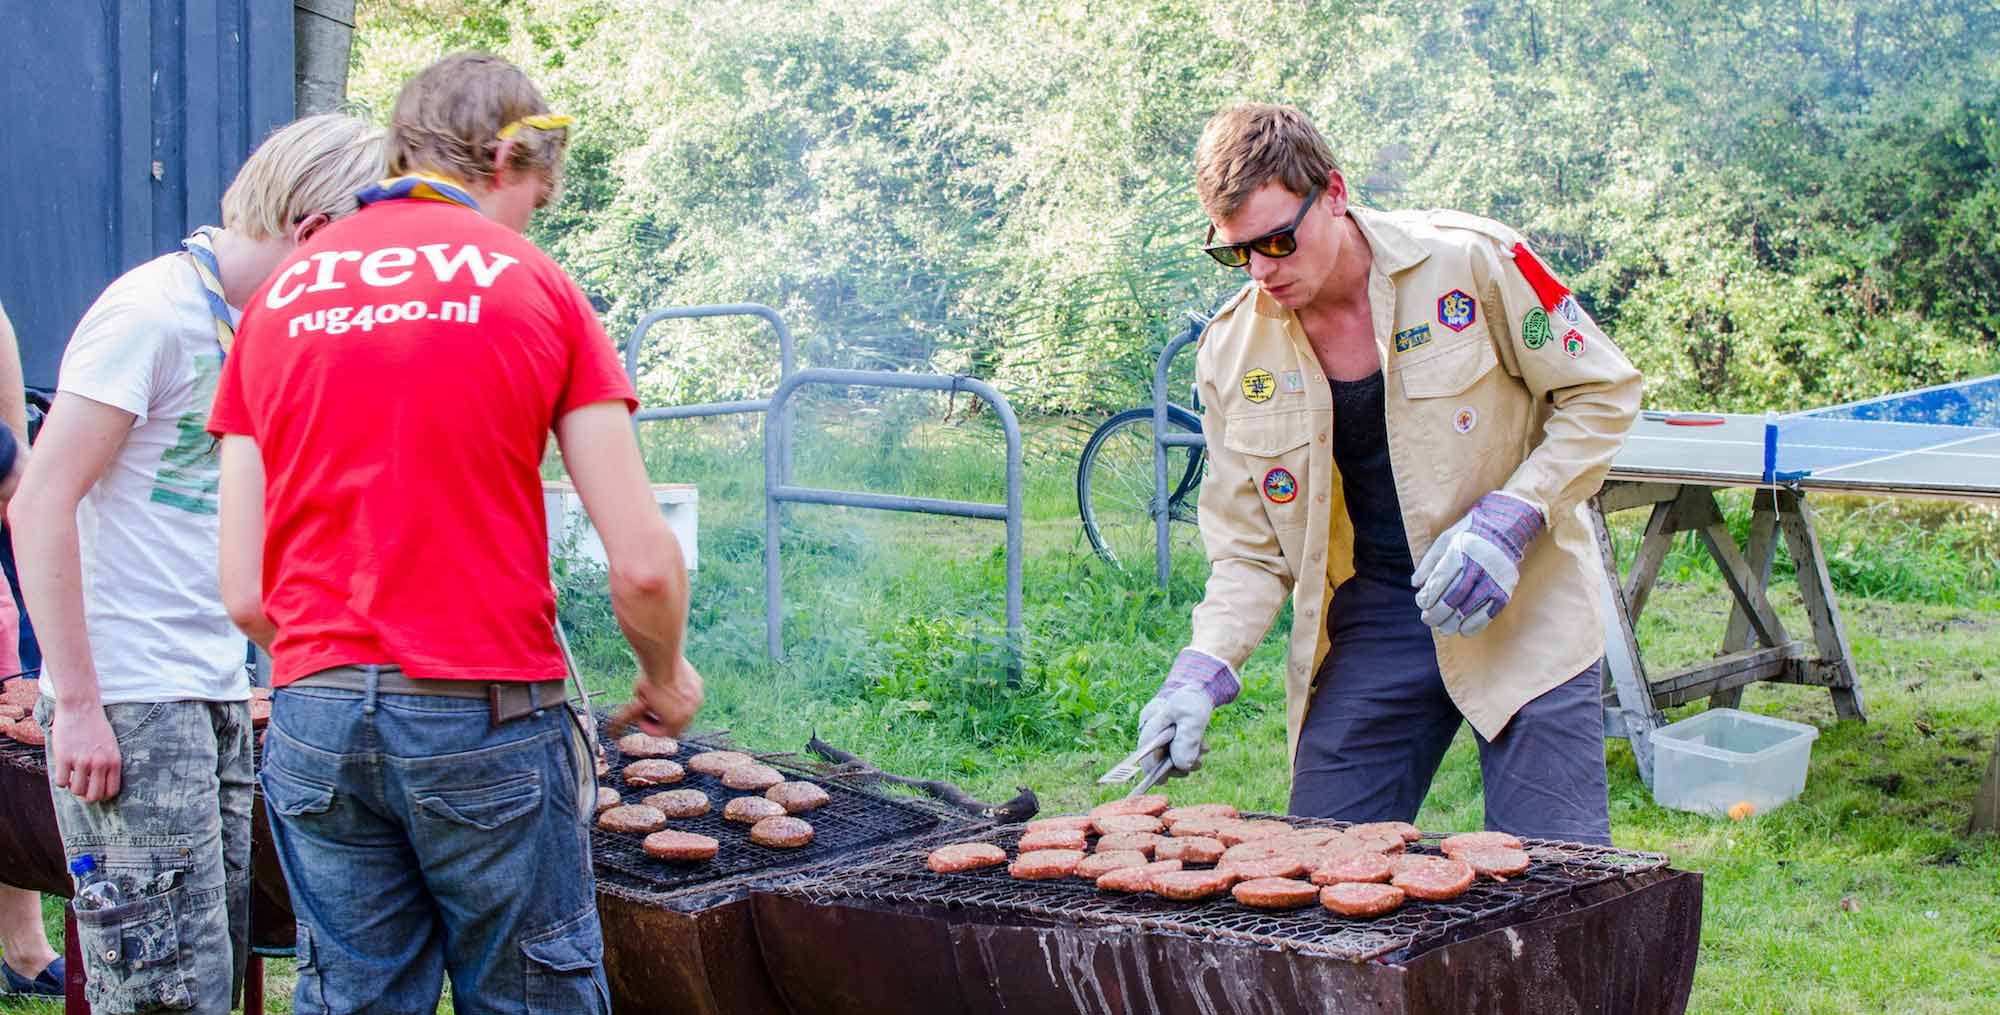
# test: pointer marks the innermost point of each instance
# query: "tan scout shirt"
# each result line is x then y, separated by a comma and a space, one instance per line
1485, 390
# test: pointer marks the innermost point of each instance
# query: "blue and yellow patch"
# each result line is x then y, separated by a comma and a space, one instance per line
1280, 487
1410, 338
1456, 310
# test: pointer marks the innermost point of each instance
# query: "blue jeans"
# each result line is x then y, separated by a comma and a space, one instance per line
1381, 720
418, 839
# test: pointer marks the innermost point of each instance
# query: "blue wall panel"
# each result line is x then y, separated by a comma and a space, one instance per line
124, 121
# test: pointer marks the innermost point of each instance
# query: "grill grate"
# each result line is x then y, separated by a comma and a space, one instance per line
854, 819
899, 876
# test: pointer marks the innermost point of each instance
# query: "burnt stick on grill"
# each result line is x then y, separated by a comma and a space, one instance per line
1022, 807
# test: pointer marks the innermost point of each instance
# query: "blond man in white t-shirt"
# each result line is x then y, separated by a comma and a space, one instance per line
144, 693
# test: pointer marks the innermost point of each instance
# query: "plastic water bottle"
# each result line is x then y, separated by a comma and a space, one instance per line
94, 890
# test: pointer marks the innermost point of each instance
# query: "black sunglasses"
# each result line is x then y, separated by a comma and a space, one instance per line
1277, 243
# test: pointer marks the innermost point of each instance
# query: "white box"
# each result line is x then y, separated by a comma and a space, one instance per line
679, 502
1724, 757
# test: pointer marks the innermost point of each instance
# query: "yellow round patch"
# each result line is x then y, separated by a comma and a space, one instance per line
1259, 385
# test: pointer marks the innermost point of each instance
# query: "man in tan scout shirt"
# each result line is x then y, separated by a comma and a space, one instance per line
1405, 414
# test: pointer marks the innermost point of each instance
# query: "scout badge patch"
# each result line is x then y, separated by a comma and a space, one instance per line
1410, 338
1293, 380
1465, 419
1456, 310
1280, 487
1259, 385
1573, 344
1535, 331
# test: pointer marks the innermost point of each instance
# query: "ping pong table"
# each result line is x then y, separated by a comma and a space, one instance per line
1941, 442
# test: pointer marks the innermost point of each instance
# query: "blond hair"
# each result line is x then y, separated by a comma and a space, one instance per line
308, 167
448, 119
1248, 145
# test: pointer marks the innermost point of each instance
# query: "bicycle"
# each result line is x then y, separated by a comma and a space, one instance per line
1115, 482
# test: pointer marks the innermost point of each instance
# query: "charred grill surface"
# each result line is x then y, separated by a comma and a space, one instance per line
900, 876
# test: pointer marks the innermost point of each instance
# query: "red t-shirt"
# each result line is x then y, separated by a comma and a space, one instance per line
400, 374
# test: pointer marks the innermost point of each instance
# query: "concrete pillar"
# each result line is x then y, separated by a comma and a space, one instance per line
324, 36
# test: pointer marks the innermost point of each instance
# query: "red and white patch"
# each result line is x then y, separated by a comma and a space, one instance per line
1573, 344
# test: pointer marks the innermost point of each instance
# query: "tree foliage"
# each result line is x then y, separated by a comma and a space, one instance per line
1768, 203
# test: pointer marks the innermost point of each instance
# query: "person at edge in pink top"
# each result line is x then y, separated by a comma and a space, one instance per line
382, 424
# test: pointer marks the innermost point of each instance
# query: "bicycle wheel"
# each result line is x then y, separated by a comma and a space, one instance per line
1114, 488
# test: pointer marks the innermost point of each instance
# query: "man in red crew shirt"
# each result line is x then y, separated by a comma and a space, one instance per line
383, 418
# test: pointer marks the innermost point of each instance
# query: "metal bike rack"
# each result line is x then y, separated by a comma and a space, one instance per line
1162, 440
778, 490
787, 363
778, 457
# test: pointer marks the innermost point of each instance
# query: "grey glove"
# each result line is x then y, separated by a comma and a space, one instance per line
1185, 702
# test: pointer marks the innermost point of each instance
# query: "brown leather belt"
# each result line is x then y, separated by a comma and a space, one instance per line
506, 700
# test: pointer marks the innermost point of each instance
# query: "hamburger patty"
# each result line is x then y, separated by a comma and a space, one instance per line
1114, 824
1174, 815
1408, 831
753, 776
751, 809
717, 762
782, 832
1153, 804
1496, 862
1360, 899
646, 745
1075, 822
1191, 848
634, 819
1191, 886
1477, 840
1096, 865
607, 798
798, 797
1135, 879
1353, 867
27, 731
652, 772
1144, 842
965, 856
1045, 864
1437, 882
1269, 867
679, 803
1274, 893
1053, 838
673, 845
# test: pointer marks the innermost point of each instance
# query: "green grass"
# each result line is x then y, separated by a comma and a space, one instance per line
1864, 895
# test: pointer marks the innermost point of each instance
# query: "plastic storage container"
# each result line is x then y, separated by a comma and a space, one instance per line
1723, 758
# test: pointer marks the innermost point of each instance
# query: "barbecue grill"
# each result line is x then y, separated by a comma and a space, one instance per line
1586, 929
32, 853
680, 935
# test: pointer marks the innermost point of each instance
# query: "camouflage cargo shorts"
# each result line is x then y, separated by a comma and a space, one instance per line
176, 839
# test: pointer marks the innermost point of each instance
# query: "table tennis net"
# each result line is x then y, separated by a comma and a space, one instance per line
1877, 432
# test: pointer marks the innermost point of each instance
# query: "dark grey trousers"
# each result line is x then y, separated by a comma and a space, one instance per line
1381, 720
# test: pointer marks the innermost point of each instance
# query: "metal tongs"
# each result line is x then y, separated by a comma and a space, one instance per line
1126, 769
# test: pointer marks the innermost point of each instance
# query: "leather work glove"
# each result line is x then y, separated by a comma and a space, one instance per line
1468, 575
1186, 701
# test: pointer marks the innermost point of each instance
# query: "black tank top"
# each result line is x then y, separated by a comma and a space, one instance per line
1361, 452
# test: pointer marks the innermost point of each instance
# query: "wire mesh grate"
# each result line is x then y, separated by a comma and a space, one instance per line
853, 819
898, 875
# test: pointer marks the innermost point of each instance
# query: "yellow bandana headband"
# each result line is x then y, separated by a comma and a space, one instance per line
539, 121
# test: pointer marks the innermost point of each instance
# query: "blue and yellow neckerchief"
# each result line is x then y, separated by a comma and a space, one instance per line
200, 248
419, 185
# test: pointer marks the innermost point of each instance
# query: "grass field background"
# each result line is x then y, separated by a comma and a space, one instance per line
1865, 895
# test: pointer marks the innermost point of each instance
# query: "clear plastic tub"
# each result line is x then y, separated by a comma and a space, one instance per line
1724, 758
